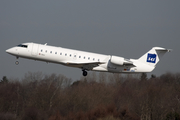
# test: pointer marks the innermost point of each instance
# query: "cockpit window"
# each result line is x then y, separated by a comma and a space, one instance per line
20, 45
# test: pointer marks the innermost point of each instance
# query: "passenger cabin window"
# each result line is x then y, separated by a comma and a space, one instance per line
41, 50
51, 52
60, 53
24, 46
55, 52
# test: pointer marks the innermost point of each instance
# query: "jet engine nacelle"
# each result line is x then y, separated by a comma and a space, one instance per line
117, 60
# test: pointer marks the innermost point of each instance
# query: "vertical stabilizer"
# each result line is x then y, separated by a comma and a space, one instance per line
153, 56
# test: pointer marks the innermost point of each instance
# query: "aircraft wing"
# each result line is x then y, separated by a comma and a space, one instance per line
128, 62
83, 65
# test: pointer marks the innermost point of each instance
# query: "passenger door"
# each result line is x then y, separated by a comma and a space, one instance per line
35, 48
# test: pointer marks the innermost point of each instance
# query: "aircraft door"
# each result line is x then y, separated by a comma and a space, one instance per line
35, 48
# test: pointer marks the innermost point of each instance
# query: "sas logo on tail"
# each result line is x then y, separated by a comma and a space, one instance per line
151, 58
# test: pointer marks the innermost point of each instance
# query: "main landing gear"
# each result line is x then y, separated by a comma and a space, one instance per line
84, 72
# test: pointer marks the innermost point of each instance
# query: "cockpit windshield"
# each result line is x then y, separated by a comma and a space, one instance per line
21, 45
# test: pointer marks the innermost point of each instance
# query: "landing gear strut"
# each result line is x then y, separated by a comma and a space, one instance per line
17, 61
84, 73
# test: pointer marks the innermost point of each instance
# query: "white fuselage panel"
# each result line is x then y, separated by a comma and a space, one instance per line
74, 58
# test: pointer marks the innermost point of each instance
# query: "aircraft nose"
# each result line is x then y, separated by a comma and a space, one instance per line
10, 51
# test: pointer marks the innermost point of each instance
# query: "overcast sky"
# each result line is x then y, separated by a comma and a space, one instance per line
126, 28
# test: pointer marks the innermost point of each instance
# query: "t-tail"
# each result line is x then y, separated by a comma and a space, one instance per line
153, 56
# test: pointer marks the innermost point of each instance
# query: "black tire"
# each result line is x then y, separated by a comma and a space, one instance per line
84, 73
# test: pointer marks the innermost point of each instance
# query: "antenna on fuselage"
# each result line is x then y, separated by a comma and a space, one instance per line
45, 44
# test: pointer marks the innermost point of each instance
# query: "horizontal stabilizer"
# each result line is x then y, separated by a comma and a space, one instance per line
162, 49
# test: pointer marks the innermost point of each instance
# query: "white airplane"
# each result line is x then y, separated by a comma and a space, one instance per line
86, 60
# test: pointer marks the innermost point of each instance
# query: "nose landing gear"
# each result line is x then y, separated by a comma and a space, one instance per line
17, 62
84, 72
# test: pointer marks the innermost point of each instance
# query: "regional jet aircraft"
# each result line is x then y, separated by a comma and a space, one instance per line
86, 60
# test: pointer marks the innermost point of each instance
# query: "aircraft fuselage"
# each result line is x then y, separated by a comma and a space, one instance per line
80, 59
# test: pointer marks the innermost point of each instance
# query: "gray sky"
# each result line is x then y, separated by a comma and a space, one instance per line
127, 28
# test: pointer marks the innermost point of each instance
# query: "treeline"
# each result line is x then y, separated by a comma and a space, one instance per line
95, 97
